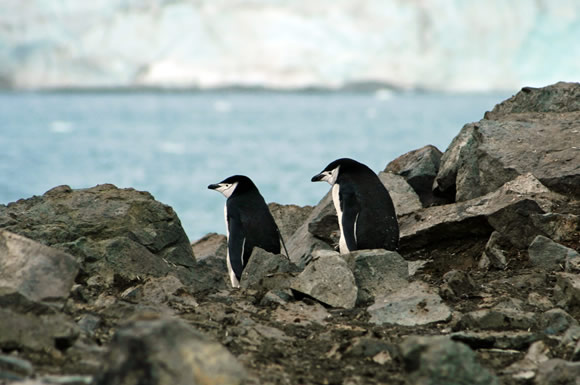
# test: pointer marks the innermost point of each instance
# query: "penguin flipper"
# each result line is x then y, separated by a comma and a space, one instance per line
236, 245
350, 211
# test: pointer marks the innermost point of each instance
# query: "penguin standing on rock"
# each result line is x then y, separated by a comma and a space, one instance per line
366, 215
249, 223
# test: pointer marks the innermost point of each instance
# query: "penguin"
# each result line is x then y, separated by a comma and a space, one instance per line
365, 210
249, 223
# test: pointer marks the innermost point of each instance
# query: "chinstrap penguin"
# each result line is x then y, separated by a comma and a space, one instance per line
249, 223
366, 215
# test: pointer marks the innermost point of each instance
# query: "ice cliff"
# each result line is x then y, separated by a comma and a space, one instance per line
435, 44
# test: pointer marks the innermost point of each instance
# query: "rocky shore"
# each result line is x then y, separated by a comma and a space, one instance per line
102, 286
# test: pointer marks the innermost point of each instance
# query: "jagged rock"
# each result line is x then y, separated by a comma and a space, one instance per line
497, 319
266, 271
556, 321
37, 271
210, 276
413, 305
366, 347
494, 254
439, 360
540, 301
567, 290
405, 199
211, 244
515, 139
329, 280
167, 351
548, 254
419, 168
516, 340
457, 284
155, 291
303, 243
118, 234
288, 218
377, 273
557, 371
573, 264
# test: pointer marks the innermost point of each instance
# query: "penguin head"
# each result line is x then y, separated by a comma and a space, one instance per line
331, 172
235, 183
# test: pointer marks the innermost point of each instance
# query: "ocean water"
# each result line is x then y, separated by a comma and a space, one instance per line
174, 144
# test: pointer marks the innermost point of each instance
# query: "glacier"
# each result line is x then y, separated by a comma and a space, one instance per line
442, 45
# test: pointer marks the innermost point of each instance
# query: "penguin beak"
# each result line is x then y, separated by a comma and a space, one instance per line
213, 186
317, 177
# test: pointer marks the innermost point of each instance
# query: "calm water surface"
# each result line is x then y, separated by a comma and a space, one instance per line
173, 144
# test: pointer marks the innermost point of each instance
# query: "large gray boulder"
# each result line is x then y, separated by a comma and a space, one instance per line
35, 270
533, 132
405, 199
117, 234
167, 352
289, 218
550, 255
509, 210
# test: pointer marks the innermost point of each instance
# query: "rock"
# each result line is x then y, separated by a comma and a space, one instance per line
118, 234
497, 319
377, 273
558, 227
288, 218
540, 301
37, 271
211, 244
567, 290
301, 313
14, 368
515, 340
303, 243
557, 371
556, 321
513, 140
507, 210
557, 98
458, 284
404, 198
549, 255
329, 280
419, 168
366, 347
573, 264
413, 305
167, 351
266, 271
36, 332
494, 253
439, 360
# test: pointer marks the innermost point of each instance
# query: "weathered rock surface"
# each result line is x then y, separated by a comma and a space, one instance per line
558, 371
266, 271
494, 254
329, 280
210, 245
116, 233
439, 360
405, 199
419, 168
549, 255
525, 134
167, 352
288, 218
567, 290
377, 273
37, 271
414, 305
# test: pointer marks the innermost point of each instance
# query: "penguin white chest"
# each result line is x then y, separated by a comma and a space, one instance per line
233, 278
336, 199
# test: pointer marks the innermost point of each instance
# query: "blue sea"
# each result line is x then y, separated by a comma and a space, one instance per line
174, 144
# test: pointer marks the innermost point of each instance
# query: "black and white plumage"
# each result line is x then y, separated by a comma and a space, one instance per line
249, 223
365, 210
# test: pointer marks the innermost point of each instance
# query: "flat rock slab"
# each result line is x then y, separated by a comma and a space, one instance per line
35, 270
550, 255
329, 280
416, 304
167, 352
498, 319
377, 272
